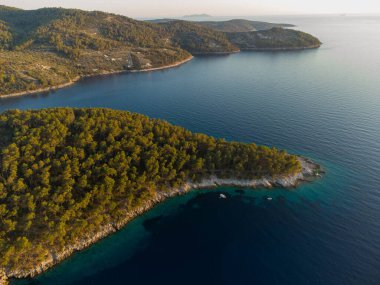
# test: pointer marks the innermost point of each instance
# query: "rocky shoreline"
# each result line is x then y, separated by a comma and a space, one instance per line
216, 53
76, 79
41, 90
310, 171
281, 49
178, 63
175, 64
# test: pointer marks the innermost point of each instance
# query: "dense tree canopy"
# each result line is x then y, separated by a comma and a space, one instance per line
66, 172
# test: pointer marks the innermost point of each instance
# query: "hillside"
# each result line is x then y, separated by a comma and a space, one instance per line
274, 39
69, 31
197, 39
240, 25
66, 173
53, 47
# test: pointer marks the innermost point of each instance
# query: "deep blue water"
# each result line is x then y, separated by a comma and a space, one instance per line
321, 103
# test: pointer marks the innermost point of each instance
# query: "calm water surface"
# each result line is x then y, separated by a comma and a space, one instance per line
321, 103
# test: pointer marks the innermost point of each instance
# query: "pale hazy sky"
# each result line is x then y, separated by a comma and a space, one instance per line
165, 8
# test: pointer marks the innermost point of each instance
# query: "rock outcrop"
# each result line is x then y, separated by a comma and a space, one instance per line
3, 278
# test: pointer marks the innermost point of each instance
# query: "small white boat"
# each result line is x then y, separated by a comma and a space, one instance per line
222, 196
269, 198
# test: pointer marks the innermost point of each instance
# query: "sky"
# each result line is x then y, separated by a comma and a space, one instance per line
177, 8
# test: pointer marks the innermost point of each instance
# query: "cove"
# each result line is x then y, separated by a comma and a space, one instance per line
319, 103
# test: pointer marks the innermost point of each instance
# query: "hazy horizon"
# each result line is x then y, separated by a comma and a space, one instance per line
221, 8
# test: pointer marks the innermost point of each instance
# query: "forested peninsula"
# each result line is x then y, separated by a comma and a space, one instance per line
54, 47
69, 177
273, 39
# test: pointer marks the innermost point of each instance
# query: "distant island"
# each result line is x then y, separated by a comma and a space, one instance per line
73, 176
197, 16
54, 47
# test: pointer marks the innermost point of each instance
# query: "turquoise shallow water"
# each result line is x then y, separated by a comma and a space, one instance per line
320, 103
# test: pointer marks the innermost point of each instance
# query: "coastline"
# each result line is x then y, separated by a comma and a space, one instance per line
76, 79
281, 49
216, 53
175, 64
41, 90
310, 171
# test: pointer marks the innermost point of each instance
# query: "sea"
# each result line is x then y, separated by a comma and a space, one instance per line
323, 104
